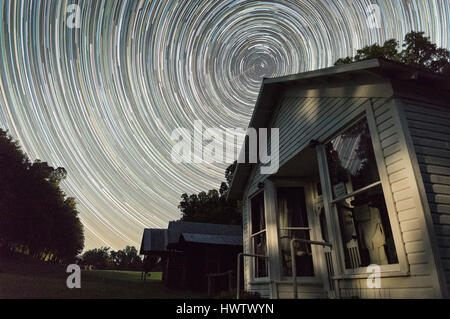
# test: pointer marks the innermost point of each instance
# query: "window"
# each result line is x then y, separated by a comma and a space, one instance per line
293, 223
358, 196
258, 236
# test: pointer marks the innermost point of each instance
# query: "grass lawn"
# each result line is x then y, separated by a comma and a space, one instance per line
22, 277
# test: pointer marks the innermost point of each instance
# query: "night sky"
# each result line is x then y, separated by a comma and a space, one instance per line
103, 97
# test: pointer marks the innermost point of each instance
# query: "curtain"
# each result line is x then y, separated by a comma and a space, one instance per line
292, 213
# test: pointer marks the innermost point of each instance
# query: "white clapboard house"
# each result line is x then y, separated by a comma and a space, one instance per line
363, 184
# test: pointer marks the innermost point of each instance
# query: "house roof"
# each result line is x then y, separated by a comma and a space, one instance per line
272, 88
157, 240
212, 239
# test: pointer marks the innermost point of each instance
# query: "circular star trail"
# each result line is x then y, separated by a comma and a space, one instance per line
102, 99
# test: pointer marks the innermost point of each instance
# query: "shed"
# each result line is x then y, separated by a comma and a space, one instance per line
191, 251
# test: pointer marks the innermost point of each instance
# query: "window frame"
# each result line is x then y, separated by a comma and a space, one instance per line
402, 267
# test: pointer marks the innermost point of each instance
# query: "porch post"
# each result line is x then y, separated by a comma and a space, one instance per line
331, 218
270, 208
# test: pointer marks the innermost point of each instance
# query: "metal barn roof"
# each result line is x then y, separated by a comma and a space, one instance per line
157, 239
178, 227
154, 239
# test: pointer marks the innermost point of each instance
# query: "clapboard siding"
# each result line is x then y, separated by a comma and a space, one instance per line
395, 288
262, 289
429, 127
326, 112
304, 291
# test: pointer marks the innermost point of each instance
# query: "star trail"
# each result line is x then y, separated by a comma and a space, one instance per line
102, 98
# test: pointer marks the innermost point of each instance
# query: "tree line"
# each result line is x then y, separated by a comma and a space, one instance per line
105, 258
36, 216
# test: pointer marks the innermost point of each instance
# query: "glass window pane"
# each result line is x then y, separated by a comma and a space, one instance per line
351, 160
366, 230
292, 213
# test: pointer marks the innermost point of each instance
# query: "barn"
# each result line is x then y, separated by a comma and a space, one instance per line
195, 254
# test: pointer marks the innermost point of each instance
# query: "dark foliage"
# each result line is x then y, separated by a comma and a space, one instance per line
417, 51
127, 259
35, 214
212, 206
102, 258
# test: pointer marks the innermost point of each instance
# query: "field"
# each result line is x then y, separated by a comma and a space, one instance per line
22, 277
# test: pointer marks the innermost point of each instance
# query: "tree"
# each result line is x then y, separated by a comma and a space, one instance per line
127, 258
420, 52
69, 230
97, 257
417, 51
104, 258
35, 214
229, 172
13, 169
212, 206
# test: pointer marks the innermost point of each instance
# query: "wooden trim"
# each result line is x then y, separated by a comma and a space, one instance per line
381, 90
254, 194
387, 190
273, 249
258, 233
251, 235
330, 213
316, 280
247, 216
318, 253
289, 182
